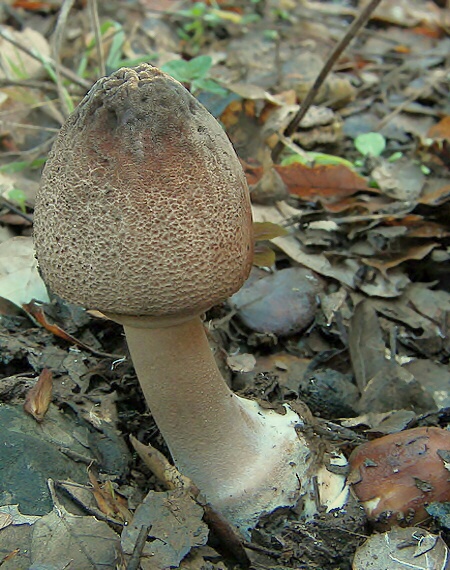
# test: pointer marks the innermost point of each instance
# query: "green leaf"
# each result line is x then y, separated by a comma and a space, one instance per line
295, 158
322, 158
396, 156
115, 52
188, 71
20, 165
370, 144
131, 62
198, 9
317, 158
52, 74
209, 85
199, 66
178, 69
18, 197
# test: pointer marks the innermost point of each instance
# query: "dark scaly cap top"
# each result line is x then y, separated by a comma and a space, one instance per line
143, 207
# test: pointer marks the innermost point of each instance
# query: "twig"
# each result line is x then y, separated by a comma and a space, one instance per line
172, 479
16, 211
28, 83
29, 127
57, 43
135, 559
356, 25
439, 76
93, 8
30, 153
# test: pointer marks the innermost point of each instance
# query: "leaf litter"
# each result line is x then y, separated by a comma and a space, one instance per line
358, 199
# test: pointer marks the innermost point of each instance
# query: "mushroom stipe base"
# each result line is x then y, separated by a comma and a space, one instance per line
246, 460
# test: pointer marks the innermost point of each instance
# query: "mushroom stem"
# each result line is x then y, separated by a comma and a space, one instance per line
244, 459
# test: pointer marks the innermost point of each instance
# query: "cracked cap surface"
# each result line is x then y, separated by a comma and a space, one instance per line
143, 207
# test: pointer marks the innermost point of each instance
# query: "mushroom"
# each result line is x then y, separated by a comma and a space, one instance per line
144, 214
395, 477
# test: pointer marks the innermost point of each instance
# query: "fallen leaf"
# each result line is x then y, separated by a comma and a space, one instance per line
38, 314
108, 501
175, 527
435, 193
63, 540
39, 397
401, 180
267, 230
414, 252
263, 256
12, 515
20, 281
416, 226
5, 520
159, 465
327, 184
241, 362
441, 130
17, 64
366, 344
400, 549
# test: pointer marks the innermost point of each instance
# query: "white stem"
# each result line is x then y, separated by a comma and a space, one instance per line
244, 459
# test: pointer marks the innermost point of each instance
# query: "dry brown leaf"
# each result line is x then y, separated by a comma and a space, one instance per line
108, 501
241, 362
366, 344
416, 226
435, 195
63, 540
441, 130
235, 110
328, 184
351, 203
415, 252
159, 465
39, 397
332, 185
37, 312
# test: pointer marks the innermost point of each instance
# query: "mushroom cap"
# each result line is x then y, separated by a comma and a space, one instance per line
143, 208
396, 476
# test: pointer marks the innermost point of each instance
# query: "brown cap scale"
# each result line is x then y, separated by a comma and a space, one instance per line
143, 207
144, 214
